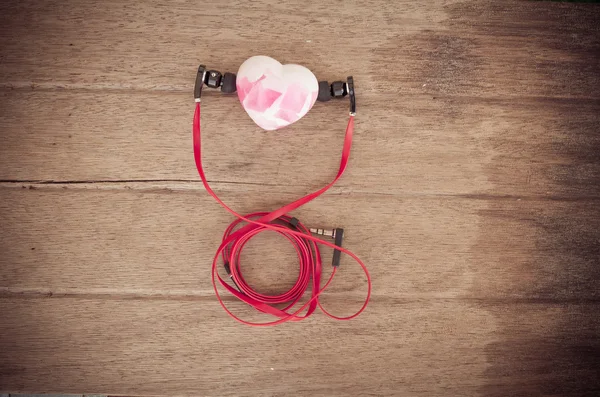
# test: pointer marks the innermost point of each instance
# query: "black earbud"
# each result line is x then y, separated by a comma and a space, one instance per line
213, 79
338, 89
228, 83
324, 92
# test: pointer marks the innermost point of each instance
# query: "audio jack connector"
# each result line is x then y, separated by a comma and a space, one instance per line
338, 235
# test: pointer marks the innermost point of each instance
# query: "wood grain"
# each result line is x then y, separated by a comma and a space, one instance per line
474, 48
429, 347
99, 136
127, 241
472, 194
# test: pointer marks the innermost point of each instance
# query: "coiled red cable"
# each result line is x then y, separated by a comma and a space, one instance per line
278, 221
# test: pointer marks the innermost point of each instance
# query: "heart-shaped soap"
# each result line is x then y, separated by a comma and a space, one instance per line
275, 95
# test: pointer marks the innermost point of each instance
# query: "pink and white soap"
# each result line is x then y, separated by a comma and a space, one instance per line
275, 95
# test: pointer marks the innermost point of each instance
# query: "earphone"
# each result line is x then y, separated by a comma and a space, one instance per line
227, 83
262, 96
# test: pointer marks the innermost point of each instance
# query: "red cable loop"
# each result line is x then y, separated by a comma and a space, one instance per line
304, 242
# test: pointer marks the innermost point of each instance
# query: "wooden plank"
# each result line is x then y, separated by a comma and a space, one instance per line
528, 148
161, 244
480, 48
45, 395
99, 51
431, 347
507, 49
412, 137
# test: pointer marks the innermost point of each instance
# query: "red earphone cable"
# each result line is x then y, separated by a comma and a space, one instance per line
304, 242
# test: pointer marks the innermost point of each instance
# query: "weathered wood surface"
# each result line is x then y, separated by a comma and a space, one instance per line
473, 195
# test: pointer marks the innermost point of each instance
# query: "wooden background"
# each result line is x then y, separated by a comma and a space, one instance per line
473, 196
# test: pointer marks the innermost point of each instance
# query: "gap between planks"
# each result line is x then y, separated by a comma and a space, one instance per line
168, 186
184, 296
